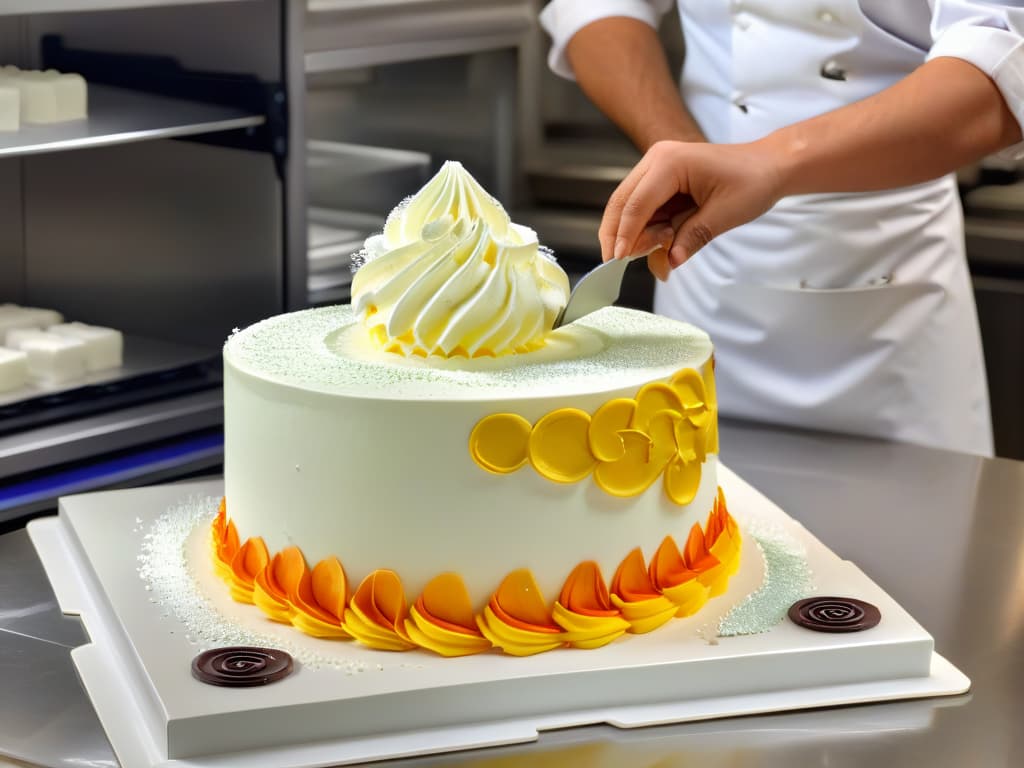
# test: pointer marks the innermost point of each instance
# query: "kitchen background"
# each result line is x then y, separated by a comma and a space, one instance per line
238, 153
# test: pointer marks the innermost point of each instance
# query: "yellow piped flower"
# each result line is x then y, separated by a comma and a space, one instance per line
498, 443
558, 446
606, 428
668, 430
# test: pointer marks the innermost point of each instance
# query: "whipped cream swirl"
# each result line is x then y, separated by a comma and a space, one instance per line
451, 275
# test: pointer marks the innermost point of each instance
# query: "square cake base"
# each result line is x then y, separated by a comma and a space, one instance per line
373, 705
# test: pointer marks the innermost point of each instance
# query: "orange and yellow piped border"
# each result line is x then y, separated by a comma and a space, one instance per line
517, 619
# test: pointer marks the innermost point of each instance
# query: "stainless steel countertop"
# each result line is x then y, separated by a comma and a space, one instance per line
943, 533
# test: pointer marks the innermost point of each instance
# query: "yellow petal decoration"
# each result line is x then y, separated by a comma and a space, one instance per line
225, 542
247, 563
584, 609
609, 421
723, 541
667, 428
559, 448
711, 398
653, 398
320, 599
689, 386
276, 583
377, 610
632, 592
498, 442
442, 619
676, 580
441, 640
517, 619
682, 480
646, 456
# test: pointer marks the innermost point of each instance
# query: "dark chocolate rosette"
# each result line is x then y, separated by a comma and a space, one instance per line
834, 614
241, 666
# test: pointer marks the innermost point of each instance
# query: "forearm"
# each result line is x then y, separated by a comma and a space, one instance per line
620, 64
941, 117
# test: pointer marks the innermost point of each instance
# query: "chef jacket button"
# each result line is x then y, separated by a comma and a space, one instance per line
826, 16
831, 70
738, 102
742, 21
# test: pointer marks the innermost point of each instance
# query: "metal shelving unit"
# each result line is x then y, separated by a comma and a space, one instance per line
18, 7
112, 221
119, 116
342, 34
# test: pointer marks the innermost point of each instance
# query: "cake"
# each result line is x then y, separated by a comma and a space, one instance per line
436, 466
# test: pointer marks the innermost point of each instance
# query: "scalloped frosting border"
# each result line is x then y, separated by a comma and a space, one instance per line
665, 431
517, 620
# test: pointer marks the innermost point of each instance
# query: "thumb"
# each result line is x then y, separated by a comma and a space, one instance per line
696, 232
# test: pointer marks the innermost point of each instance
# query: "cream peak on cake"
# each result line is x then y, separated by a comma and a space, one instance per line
451, 275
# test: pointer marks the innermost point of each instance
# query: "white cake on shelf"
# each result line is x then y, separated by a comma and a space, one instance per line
103, 346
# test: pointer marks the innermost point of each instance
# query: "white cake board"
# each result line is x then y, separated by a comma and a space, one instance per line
136, 670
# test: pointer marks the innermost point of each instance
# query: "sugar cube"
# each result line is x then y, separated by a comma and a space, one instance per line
44, 318
16, 319
53, 359
13, 369
16, 336
13, 317
10, 106
71, 94
103, 346
38, 97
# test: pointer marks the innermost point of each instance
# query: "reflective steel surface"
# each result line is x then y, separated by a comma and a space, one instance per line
942, 532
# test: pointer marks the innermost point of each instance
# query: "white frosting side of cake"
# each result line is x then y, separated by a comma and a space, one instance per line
366, 457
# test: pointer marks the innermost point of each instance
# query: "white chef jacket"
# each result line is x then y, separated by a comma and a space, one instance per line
844, 312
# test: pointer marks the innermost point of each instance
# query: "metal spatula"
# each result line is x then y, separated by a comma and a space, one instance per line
598, 288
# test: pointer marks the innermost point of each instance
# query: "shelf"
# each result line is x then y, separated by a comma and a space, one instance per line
119, 116
343, 34
333, 237
151, 368
18, 7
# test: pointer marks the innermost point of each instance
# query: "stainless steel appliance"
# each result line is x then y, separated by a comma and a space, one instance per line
169, 214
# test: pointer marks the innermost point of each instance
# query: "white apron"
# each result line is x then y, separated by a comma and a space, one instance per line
844, 312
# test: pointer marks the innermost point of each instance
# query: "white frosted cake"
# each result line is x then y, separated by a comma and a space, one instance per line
434, 466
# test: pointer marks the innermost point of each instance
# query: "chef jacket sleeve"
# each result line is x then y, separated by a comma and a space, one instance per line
564, 18
991, 37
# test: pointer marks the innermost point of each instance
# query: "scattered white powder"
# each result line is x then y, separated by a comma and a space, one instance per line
165, 568
787, 578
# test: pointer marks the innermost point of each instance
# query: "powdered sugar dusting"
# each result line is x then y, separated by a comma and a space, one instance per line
166, 569
323, 350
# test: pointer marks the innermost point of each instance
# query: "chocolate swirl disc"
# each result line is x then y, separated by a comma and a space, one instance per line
834, 614
241, 666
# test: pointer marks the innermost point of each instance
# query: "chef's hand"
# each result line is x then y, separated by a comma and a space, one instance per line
681, 195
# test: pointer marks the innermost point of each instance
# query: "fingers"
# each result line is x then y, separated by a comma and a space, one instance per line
613, 210
650, 193
696, 232
658, 264
655, 236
